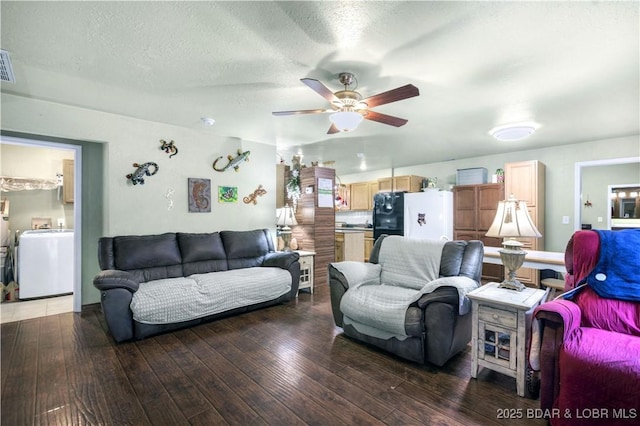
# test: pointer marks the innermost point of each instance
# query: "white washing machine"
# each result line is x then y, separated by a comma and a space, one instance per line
45, 263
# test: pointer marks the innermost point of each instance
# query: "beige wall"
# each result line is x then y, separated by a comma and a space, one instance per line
143, 209
560, 167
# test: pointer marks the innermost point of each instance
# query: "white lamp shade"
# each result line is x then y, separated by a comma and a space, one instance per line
286, 217
512, 220
346, 120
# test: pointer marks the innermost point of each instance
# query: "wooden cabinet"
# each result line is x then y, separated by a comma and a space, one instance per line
68, 177
349, 246
474, 209
306, 270
361, 195
501, 320
526, 181
368, 244
410, 183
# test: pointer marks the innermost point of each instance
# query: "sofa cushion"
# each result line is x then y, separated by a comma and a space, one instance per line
202, 253
146, 251
245, 249
182, 299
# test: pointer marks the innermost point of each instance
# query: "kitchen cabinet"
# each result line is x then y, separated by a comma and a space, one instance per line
68, 176
410, 183
526, 181
349, 245
368, 244
361, 195
474, 209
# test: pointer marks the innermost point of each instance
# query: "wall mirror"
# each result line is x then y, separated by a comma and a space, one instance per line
592, 180
624, 206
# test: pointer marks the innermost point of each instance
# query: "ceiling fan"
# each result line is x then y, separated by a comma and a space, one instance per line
349, 109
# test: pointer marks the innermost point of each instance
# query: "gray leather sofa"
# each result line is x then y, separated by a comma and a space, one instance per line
432, 310
150, 284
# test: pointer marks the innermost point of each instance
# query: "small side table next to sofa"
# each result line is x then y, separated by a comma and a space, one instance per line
500, 335
306, 270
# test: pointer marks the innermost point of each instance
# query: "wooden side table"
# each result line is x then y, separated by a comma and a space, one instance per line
501, 324
306, 270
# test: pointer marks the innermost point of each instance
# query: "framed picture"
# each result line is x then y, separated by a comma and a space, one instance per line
325, 192
227, 194
199, 195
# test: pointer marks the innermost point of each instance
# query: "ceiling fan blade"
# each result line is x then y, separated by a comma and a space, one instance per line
385, 119
320, 89
392, 95
302, 111
333, 129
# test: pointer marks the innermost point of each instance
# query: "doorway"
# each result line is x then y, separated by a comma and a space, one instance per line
76, 302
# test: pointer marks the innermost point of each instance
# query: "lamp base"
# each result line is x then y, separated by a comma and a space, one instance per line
286, 238
512, 258
512, 285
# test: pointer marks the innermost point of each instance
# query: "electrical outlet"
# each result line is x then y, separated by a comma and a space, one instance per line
565, 220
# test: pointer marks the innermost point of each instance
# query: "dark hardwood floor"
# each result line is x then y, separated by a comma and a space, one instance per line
283, 365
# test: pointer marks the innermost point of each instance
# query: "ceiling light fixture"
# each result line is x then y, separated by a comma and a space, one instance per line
346, 120
513, 132
208, 121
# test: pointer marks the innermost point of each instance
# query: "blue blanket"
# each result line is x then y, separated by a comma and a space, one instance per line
617, 273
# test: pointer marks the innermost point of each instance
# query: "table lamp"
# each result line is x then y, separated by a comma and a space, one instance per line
286, 219
512, 221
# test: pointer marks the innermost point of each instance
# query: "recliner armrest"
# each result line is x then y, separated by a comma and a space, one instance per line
351, 273
281, 259
112, 278
562, 313
447, 295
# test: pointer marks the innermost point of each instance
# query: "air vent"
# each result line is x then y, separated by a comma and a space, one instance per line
6, 70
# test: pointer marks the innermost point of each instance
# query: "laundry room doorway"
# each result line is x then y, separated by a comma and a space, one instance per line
31, 215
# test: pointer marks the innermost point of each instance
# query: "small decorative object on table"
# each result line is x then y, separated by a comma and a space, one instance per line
500, 175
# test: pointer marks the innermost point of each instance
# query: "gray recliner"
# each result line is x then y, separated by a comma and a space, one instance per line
410, 299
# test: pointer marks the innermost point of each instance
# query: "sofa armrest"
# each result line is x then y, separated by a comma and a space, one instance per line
112, 278
281, 259
557, 319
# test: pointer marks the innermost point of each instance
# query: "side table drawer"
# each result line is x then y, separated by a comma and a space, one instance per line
498, 316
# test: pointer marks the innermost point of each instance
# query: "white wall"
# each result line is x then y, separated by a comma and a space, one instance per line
38, 163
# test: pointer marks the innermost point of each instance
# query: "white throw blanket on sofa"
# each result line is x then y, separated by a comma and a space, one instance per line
409, 269
181, 299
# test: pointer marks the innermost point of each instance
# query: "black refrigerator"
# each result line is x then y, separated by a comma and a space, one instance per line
388, 214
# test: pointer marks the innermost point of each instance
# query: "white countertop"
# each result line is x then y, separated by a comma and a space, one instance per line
535, 259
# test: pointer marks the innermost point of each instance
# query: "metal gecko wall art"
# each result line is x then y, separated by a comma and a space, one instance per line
253, 198
233, 162
169, 147
145, 169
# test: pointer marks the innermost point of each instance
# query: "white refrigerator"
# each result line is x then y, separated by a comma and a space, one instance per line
428, 214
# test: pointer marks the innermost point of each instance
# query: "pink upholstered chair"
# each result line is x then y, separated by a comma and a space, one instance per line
590, 345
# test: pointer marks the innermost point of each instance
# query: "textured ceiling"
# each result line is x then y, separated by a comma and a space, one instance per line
571, 67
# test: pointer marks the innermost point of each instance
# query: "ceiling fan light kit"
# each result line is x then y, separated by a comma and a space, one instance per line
348, 108
513, 132
346, 120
